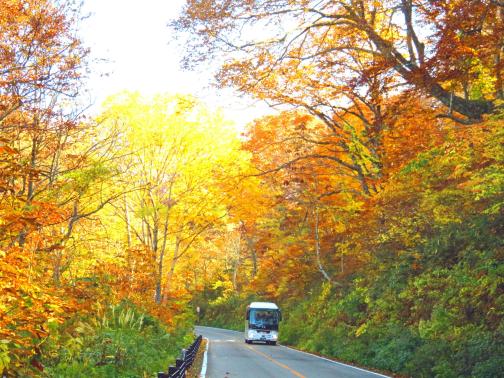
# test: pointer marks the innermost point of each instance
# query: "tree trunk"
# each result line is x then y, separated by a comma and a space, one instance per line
127, 219
236, 261
57, 267
235, 274
159, 277
159, 296
499, 91
171, 272
342, 263
499, 85
253, 253
472, 109
419, 77
31, 185
251, 247
317, 246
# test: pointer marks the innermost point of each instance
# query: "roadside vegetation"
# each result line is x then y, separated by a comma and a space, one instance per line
376, 216
428, 300
369, 207
118, 340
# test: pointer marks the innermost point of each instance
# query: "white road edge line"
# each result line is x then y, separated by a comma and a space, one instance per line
336, 362
204, 365
300, 351
221, 329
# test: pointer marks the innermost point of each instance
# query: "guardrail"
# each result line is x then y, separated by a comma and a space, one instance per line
183, 363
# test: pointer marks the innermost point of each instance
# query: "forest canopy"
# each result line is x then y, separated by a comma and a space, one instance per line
369, 206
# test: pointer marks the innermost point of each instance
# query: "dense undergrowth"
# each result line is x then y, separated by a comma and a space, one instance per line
430, 301
370, 208
116, 341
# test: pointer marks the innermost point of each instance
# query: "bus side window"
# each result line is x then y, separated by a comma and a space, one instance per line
248, 314
279, 315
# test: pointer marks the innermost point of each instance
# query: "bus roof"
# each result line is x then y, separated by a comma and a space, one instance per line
264, 305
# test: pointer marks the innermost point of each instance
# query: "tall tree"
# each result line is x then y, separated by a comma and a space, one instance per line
437, 48
42, 63
177, 152
40, 55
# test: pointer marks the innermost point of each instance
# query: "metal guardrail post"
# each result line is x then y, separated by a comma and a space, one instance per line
171, 370
185, 362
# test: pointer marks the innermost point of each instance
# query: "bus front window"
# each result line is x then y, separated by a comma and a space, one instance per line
263, 319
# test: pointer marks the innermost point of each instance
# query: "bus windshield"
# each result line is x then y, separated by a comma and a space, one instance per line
263, 319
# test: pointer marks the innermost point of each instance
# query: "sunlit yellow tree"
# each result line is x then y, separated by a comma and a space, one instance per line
176, 153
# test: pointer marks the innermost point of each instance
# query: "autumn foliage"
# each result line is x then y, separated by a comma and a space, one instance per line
382, 234
369, 206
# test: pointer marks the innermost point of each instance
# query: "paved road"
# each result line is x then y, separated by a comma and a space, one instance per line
229, 357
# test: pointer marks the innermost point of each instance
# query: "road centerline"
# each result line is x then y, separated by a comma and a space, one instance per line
296, 373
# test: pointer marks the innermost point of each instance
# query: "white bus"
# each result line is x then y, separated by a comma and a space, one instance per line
261, 322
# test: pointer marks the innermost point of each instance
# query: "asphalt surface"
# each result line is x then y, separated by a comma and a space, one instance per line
229, 357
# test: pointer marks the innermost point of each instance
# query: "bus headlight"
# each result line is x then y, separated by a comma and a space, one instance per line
250, 334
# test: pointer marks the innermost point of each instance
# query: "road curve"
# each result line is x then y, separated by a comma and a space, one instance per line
229, 357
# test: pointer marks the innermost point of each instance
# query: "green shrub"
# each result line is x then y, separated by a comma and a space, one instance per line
121, 342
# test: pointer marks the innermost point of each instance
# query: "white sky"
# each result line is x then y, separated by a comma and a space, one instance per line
133, 36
